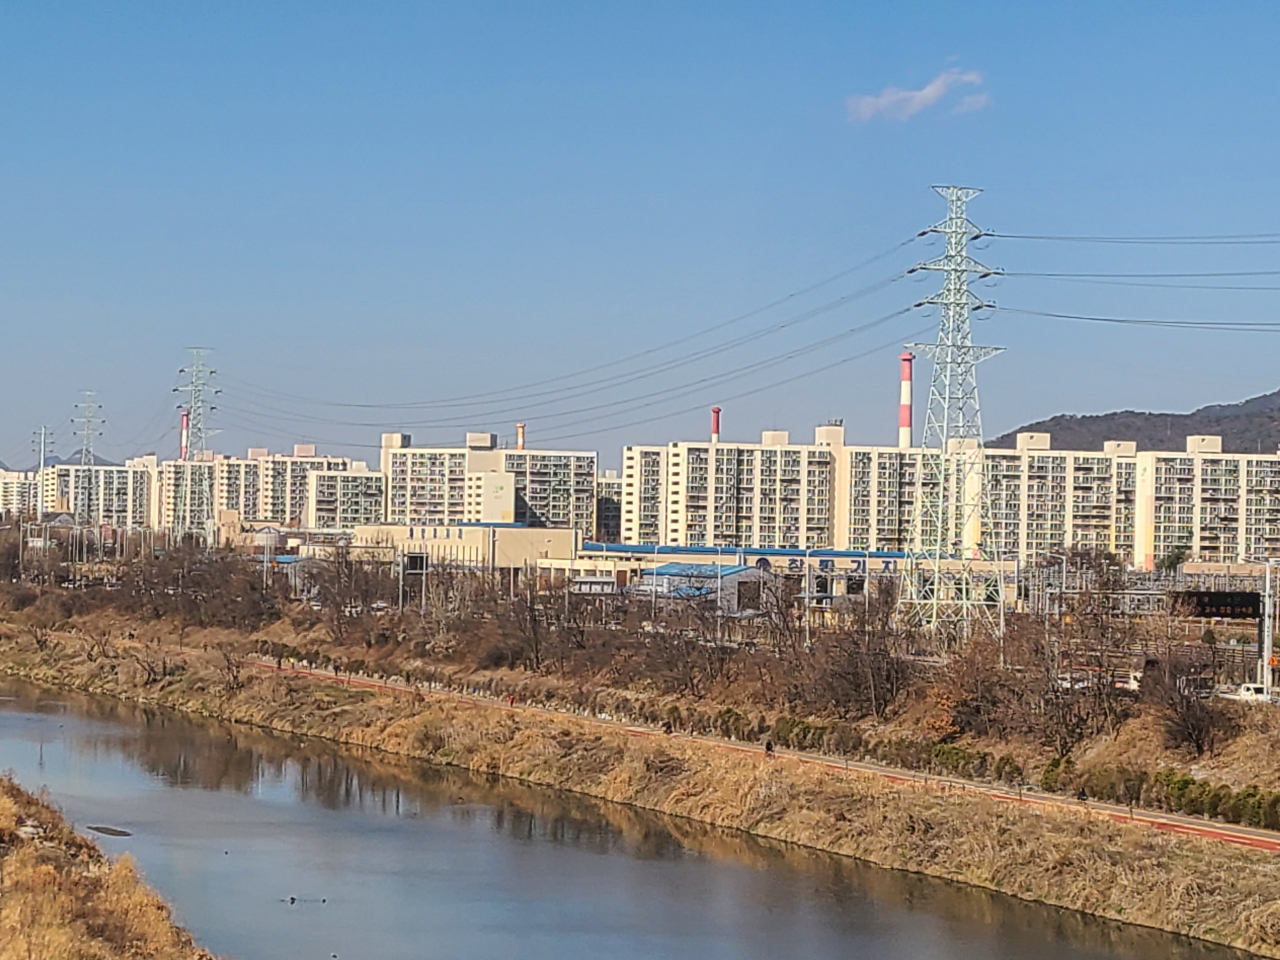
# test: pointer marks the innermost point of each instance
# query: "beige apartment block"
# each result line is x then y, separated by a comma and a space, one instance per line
446, 486
1138, 505
274, 486
1220, 507
19, 493
609, 507
98, 494
344, 499
185, 501
769, 494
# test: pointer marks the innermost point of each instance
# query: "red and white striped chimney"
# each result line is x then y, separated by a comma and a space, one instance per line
519, 436
715, 424
904, 402
186, 433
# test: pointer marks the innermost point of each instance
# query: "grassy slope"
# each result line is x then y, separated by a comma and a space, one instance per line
1205, 889
60, 897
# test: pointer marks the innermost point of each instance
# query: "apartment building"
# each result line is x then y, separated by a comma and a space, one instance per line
769, 494
609, 507
428, 486
185, 500
344, 499
1137, 505
274, 486
19, 493
100, 494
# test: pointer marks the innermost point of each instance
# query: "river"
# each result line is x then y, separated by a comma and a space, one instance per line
279, 848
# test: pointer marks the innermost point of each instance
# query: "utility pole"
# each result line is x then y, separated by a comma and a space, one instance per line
1268, 631
193, 502
943, 592
42, 445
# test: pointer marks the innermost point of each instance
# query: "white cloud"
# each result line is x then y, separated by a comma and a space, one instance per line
974, 101
898, 104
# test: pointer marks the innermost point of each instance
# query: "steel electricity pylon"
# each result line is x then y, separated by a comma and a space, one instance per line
193, 488
89, 422
947, 587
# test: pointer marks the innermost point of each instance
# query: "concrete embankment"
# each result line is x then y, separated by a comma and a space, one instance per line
1064, 857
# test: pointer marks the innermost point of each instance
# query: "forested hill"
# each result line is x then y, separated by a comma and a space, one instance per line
1247, 427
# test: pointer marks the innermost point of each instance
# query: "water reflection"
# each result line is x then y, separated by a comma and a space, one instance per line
695, 899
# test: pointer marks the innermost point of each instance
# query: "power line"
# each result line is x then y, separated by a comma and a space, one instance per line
1100, 281
677, 390
505, 393
1132, 276
1233, 326
895, 343
608, 383
1202, 239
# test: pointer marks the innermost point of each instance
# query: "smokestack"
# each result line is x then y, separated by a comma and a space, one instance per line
715, 424
519, 436
904, 402
186, 432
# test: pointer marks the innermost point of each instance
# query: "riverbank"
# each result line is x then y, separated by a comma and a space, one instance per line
1062, 857
60, 897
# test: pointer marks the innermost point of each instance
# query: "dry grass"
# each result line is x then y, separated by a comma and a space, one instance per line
61, 899
1202, 888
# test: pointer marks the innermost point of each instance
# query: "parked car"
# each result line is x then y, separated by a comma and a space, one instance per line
1249, 693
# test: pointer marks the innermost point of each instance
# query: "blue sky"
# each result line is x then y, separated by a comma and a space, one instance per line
413, 203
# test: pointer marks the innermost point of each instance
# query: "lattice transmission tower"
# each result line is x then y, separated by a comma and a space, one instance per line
85, 492
948, 587
193, 487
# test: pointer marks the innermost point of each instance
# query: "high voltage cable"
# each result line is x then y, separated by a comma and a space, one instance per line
1203, 239
1147, 284
1233, 326
603, 366
253, 421
608, 383
1129, 276
894, 343
595, 386
686, 390
666, 393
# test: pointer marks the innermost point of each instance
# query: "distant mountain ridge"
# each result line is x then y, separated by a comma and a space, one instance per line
53, 460
1250, 426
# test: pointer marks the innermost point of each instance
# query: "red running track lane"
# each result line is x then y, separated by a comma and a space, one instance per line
1165, 822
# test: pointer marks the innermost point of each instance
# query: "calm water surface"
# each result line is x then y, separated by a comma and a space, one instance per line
389, 863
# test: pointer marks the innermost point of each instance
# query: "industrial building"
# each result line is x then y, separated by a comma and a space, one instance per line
447, 486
